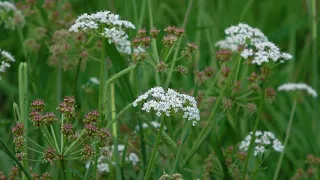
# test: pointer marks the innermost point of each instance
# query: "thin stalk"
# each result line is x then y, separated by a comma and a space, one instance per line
153, 42
13, 157
245, 10
142, 13
77, 76
186, 16
75, 142
34, 142
251, 146
23, 103
184, 135
142, 143
16, 112
62, 136
154, 151
275, 177
125, 109
59, 82
64, 173
103, 71
313, 17
54, 137
115, 131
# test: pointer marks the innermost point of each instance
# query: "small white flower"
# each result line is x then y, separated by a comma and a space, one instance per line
10, 15
94, 80
298, 86
120, 147
153, 123
264, 141
133, 157
103, 23
5, 59
228, 43
169, 102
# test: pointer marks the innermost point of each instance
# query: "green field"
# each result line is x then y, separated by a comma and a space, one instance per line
70, 98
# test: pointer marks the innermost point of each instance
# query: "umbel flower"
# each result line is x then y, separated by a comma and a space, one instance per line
252, 44
5, 59
103, 24
264, 142
10, 16
298, 86
169, 102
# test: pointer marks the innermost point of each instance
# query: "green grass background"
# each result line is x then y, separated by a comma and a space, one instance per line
285, 22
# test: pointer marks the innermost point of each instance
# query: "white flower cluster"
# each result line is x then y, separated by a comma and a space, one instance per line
124, 47
254, 43
298, 86
243, 34
104, 162
10, 15
94, 80
5, 58
153, 123
264, 52
264, 141
169, 102
105, 24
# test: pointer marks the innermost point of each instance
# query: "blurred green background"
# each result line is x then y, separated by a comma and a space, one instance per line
288, 23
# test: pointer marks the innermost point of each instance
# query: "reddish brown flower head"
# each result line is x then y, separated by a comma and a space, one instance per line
169, 40
91, 129
18, 142
253, 77
2, 176
13, 173
208, 71
69, 101
87, 151
67, 129
225, 71
154, 33
46, 176
18, 129
162, 67
170, 29
142, 33
20, 156
91, 117
270, 94
236, 86
37, 105
224, 55
145, 41
179, 32
35, 176
36, 118
136, 42
104, 135
49, 155
182, 69
227, 104
49, 118
250, 108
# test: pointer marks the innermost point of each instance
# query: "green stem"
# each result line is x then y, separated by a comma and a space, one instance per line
142, 13
13, 157
23, 103
64, 173
184, 135
75, 142
245, 9
77, 76
168, 80
251, 146
125, 109
115, 131
54, 137
62, 136
21, 38
154, 151
275, 177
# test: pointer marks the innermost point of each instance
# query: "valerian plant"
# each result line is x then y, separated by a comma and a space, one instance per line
145, 125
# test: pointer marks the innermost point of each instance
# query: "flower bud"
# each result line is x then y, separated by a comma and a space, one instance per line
270, 94
154, 33
37, 105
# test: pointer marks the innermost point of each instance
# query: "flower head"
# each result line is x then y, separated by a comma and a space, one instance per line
5, 59
298, 86
103, 23
265, 141
169, 102
10, 15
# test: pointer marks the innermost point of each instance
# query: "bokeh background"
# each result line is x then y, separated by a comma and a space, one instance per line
288, 23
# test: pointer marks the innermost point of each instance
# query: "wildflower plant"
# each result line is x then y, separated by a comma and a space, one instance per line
168, 103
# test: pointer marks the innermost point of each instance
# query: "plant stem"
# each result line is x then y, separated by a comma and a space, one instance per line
62, 135
23, 103
115, 131
288, 131
186, 16
64, 173
184, 135
251, 146
154, 151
